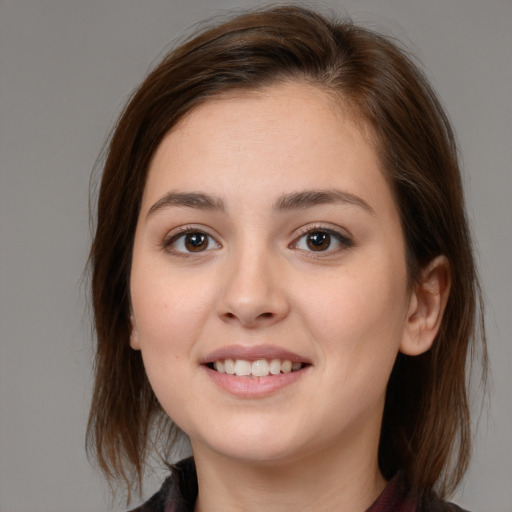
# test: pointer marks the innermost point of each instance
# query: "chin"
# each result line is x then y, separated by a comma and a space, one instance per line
271, 445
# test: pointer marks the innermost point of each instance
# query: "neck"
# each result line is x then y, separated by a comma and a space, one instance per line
322, 482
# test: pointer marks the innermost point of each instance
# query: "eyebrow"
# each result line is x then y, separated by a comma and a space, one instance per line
195, 200
288, 202
310, 198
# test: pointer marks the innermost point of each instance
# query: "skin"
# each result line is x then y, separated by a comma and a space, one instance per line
348, 310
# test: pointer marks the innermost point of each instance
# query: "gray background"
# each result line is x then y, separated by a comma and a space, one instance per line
66, 68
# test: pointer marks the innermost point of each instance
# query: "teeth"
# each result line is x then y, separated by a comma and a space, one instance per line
275, 367
219, 366
286, 367
229, 366
259, 368
242, 367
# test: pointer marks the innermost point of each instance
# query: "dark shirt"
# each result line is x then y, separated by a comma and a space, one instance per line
179, 493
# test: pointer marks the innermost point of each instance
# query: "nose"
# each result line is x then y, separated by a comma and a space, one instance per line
253, 293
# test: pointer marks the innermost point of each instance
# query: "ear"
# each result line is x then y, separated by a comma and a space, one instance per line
134, 334
426, 307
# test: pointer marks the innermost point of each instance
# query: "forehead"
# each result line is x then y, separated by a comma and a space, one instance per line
293, 136
284, 104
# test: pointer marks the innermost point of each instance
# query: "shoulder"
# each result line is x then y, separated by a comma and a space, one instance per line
395, 498
178, 492
434, 504
158, 501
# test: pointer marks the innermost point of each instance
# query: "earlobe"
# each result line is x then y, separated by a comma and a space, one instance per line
426, 307
134, 334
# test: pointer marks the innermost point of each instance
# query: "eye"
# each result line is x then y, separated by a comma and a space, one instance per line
191, 241
322, 240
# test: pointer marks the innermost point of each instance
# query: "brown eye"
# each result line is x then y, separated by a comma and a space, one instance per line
318, 241
196, 242
322, 240
191, 241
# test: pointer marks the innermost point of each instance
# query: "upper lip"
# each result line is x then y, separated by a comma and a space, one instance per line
253, 353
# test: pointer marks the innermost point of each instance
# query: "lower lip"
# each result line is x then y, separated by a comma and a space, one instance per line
254, 387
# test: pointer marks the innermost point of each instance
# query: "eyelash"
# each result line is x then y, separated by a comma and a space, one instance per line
181, 234
343, 241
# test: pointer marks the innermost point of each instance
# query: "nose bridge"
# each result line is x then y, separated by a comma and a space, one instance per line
253, 293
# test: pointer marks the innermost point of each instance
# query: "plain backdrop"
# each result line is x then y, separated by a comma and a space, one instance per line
66, 68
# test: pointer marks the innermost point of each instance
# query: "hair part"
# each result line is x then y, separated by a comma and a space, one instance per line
426, 426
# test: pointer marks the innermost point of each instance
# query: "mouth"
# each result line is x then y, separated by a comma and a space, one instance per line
255, 371
257, 368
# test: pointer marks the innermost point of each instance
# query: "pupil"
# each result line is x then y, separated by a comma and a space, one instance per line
195, 242
319, 241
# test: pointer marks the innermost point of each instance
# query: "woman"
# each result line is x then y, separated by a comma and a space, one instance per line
282, 270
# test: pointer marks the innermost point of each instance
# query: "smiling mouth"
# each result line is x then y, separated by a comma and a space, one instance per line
258, 368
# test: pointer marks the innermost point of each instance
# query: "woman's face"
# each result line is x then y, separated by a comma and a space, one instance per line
268, 238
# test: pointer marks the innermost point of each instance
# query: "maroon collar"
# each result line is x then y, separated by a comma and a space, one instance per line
179, 493
183, 493
393, 499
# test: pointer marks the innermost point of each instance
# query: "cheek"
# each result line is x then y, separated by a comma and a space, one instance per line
169, 319
169, 312
359, 317
357, 327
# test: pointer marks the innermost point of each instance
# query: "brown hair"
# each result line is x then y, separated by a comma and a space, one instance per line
426, 427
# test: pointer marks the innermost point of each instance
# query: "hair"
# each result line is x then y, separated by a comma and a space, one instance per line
426, 423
